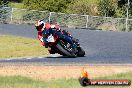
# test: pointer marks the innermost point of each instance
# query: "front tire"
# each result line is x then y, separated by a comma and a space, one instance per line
65, 52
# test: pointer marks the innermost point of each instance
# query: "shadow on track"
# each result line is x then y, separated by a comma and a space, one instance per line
57, 57
61, 57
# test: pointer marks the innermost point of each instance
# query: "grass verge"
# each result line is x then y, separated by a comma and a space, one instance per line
23, 82
12, 46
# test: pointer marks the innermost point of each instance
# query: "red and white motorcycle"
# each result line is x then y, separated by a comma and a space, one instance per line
61, 46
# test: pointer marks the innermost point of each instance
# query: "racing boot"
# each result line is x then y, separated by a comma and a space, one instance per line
75, 40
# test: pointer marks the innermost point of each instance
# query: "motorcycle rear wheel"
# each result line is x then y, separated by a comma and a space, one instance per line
81, 52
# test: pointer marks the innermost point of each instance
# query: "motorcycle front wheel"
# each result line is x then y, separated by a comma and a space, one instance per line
64, 51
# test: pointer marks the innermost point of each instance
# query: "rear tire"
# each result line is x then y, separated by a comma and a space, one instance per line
65, 52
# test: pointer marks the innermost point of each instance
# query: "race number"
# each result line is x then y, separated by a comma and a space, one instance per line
50, 38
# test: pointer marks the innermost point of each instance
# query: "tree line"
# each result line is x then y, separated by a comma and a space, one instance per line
110, 8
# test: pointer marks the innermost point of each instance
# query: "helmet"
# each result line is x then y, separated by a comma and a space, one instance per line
39, 24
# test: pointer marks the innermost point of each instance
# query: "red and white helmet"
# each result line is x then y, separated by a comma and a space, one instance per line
40, 24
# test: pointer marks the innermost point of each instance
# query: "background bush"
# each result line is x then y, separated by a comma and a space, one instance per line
50, 5
111, 8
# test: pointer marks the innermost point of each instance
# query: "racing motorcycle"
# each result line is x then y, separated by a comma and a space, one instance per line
59, 45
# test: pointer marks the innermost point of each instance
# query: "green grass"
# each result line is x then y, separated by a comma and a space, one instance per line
12, 46
23, 82
19, 82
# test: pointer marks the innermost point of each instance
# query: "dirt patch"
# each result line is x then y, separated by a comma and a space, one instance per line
56, 72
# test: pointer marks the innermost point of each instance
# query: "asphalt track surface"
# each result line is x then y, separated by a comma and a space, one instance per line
101, 47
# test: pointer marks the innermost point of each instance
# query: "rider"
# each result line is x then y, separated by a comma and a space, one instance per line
44, 28
40, 27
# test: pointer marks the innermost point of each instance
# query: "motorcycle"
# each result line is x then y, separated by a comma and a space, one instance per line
59, 45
